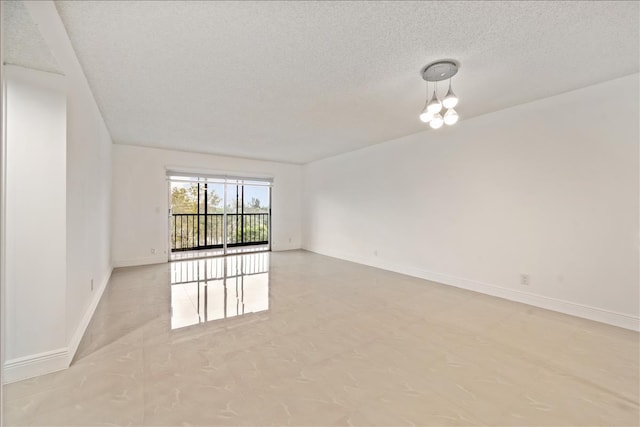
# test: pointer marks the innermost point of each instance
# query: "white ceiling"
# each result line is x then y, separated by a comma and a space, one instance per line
299, 81
22, 43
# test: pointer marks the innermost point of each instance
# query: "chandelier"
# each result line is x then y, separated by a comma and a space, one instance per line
432, 112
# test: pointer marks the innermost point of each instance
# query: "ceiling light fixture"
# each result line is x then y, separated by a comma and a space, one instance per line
426, 116
435, 72
436, 122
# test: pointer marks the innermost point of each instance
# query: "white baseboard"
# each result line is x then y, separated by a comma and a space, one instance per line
157, 259
56, 360
567, 307
38, 364
84, 323
282, 248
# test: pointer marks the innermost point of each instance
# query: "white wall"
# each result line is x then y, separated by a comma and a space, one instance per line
3, 215
36, 206
88, 209
141, 199
85, 162
548, 188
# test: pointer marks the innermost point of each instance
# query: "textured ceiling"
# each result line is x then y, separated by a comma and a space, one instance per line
23, 45
299, 81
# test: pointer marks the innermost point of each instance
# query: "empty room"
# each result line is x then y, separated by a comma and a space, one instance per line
320, 213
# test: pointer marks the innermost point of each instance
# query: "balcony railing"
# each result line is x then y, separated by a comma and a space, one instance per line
200, 231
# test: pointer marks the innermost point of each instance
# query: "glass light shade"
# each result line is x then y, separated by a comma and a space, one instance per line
436, 122
450, 117
434, 106
450, 99
426, 116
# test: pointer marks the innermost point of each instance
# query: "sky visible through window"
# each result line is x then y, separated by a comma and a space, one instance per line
259, 192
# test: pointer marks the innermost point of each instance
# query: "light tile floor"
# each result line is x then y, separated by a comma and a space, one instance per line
335, 343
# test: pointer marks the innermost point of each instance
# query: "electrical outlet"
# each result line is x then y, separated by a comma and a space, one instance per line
92, 284
524, 279
153, 250
375, 252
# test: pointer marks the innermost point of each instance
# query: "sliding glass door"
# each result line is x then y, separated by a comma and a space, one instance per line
247, 214
218, 213
211, 214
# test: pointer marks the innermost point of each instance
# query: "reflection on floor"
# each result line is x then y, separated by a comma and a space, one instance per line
218, 288
207, 253
340, 344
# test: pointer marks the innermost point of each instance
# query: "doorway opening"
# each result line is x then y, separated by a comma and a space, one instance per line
211, 215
